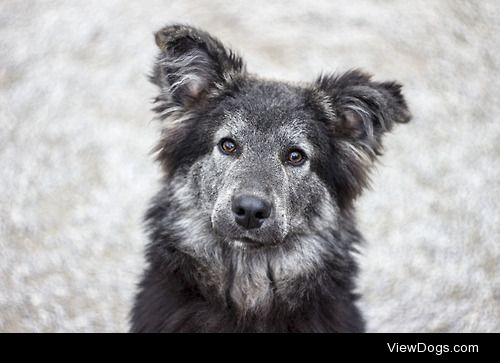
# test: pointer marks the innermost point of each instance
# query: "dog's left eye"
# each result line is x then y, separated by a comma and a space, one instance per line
227, 146
296, 157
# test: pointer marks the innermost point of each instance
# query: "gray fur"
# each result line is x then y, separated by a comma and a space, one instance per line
297, 274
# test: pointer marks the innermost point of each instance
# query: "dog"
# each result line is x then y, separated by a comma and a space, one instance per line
253, 229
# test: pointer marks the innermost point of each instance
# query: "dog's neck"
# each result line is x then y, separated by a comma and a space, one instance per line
254, 283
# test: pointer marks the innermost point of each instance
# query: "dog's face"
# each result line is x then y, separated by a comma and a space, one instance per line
268, 161
259, 184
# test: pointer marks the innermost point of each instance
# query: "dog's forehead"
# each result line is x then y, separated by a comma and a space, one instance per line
269, 108
294, 129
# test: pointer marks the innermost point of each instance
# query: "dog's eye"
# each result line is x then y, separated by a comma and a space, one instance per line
296, 157
227, 146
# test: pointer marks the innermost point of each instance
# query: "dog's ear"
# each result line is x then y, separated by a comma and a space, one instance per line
362, 110
191, 66
357, 112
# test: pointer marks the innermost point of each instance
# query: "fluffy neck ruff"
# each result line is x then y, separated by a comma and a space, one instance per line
252, 282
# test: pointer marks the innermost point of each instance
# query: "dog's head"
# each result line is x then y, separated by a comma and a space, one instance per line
265, 161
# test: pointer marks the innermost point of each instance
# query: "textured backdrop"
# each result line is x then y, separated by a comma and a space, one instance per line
75, 132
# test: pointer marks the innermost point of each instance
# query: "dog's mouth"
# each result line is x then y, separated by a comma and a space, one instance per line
245, 240
249, 243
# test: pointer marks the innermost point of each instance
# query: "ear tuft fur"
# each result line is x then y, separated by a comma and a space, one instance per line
364, 109
357, 112
191, 66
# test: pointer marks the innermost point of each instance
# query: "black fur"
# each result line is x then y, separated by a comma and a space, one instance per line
197, 280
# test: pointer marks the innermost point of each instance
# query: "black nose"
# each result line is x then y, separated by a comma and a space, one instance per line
250, 211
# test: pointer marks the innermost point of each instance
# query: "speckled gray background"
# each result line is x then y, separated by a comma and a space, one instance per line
75, 131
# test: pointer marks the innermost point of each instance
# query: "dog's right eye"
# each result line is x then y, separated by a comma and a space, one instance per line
296, 157
227, 146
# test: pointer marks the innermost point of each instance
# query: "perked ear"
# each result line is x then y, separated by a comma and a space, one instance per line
191, 66
363, 110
